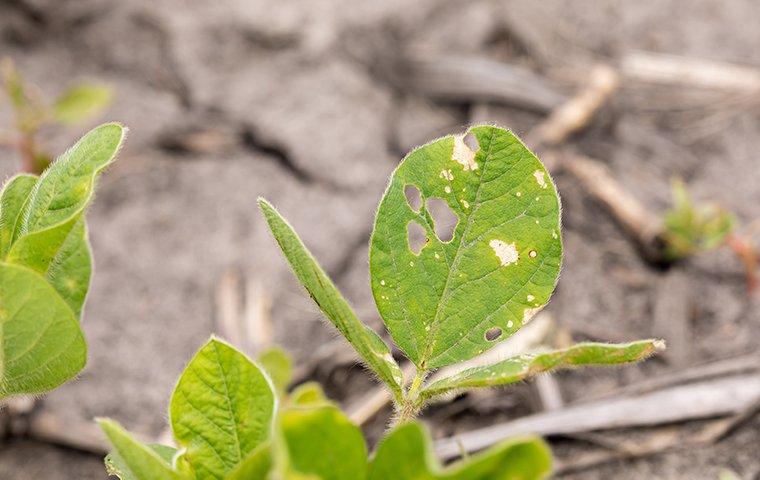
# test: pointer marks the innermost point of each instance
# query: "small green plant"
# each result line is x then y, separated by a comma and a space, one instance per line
76, 104
692, 228
449, 301
45, 266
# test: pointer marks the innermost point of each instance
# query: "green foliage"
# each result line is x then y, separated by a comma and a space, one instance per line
45, 266
276, 362
456, 297
319, 441
405, 454
499, 268
221, 410
79, 103
221, 402
443, 305
693, 228
367, 343
115, 463
522, 367
133, 460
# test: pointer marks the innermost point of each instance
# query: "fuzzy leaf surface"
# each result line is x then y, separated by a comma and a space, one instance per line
14, 196
406, 454
370, 347
115, 464
137, 461
320, 443
496, 272
59, 198
41, 344
522, 367
221, 409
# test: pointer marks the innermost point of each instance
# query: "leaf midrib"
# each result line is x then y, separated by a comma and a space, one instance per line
455, 263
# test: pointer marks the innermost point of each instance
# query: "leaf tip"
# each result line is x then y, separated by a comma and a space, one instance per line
659, 344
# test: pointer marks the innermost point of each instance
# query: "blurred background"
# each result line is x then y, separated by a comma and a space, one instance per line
312, 104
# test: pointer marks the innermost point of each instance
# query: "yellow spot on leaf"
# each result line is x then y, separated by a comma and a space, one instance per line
463, 154
507, 252
540, 178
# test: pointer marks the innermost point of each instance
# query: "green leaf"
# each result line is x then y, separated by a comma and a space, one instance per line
691, 229
456, 298
59, 198
41, 344
81, 102
255, 466
135, 460
371, 348
309, 394
521, 367
320, 443
277, 363
14, 196
221, 409
69, 272
115, 464
406, 454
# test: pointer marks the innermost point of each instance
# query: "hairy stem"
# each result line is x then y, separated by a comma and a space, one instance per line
411, 405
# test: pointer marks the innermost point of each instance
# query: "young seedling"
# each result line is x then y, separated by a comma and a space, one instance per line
45, 266
463, 290
76, 104
453, 299
692, 228
232, 421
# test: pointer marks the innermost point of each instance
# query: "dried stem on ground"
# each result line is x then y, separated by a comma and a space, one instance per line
694, 72
721, 397
577, 113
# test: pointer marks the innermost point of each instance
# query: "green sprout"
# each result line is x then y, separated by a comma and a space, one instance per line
78, 103
451, 300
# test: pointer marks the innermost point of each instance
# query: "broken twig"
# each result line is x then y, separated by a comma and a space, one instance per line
720, 397
576, 113
678, 70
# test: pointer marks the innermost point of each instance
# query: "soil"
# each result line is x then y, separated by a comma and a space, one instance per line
290, 96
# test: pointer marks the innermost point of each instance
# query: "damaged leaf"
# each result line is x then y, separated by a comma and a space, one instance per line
499, 268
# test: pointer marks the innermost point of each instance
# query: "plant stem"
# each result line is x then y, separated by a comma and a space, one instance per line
410, 404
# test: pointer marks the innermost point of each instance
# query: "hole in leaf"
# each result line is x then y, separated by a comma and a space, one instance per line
416, 236
493, 334
444, 218
471, 141
413, 197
